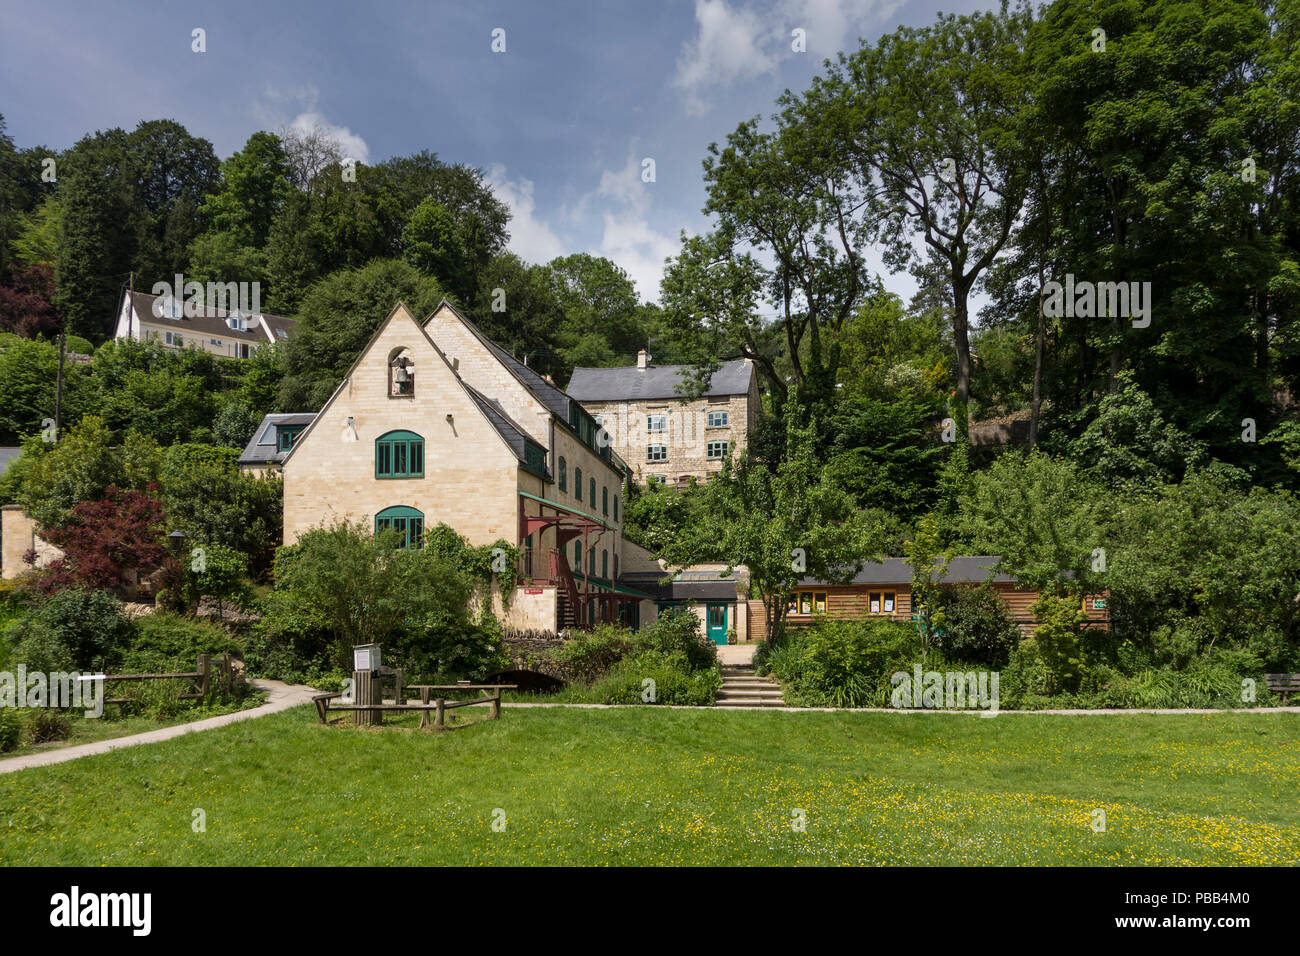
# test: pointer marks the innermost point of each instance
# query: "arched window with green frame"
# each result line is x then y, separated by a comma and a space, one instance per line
593, 494
406, 521
577, 483
604, 501
399, 454
564, 474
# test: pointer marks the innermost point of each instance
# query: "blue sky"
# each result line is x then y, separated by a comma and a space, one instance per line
560, 121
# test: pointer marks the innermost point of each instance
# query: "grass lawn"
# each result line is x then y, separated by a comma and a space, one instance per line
85, 731
652, 786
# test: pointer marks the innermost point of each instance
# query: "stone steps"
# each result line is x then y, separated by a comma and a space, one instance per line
741, 687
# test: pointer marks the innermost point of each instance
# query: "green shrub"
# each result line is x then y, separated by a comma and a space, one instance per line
1057, 637
168, 642
48, 725
842, 663
73, 630
976, 626
677, 631
11, 729
675, 681
589, 656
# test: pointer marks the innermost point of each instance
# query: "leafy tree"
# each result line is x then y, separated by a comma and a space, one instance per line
783, 525
516, 307
1040, 516
37, 241
364, 590
27, 303
338, 316
217, 572
105, 542
255, 185
28, 377
432, 244
234, 424
168, 393
78, 468
213, 503
77, 629
97, 241
600, 308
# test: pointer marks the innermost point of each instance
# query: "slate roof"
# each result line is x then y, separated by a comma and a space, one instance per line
549, 395
212, 323
506, 426
7, 455
631, 384
690, 587
259, 452
973, 569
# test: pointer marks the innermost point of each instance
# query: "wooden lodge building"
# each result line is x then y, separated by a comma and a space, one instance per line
884, 589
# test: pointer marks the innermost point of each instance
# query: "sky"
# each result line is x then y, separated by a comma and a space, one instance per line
561, 122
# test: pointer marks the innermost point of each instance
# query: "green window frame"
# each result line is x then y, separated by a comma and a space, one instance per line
285, 435
593, 494
591, 561
616, 507
534, 458
604, 501
604, 563
577, 483
564, 474
399, 454
718, 419
577, 555
656, 453
407, 521
716, 450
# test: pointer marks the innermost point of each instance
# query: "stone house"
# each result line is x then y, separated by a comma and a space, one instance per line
661, 436
435, 423
229, 334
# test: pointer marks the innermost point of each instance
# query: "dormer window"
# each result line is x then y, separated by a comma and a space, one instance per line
237, 322
167, 308
401, 375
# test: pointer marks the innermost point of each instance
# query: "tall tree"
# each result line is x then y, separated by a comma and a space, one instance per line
929, 118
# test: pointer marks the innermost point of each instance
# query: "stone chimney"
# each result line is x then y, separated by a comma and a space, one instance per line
642, 359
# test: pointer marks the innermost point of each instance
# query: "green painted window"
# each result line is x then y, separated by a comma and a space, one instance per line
656, 453
399, 455
591, 561
564, 474
286, 434
577, 555
407, 522
717, 449
604, 501
616, 507
604, 564
718, 419
577, 483
534, 458
593, 494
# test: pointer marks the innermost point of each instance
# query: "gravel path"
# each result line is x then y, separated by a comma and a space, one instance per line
279, 696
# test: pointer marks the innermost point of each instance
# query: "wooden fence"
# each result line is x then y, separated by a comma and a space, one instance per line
370, 710
211, 671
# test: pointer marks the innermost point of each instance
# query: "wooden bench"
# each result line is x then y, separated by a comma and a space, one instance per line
1284, 684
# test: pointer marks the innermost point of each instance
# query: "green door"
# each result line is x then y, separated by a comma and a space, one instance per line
716, 617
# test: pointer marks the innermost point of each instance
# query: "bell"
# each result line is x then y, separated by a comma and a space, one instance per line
401, 376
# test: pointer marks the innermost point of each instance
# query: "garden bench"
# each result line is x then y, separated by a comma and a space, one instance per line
1284, 684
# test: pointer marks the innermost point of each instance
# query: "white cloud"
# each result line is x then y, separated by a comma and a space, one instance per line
630, 241
741, 44
728, 46
297, 110
530, 238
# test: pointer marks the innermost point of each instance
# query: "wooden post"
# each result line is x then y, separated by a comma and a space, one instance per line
397, 691
424, 714
496, 705
205, 670
366, 689
438, 714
